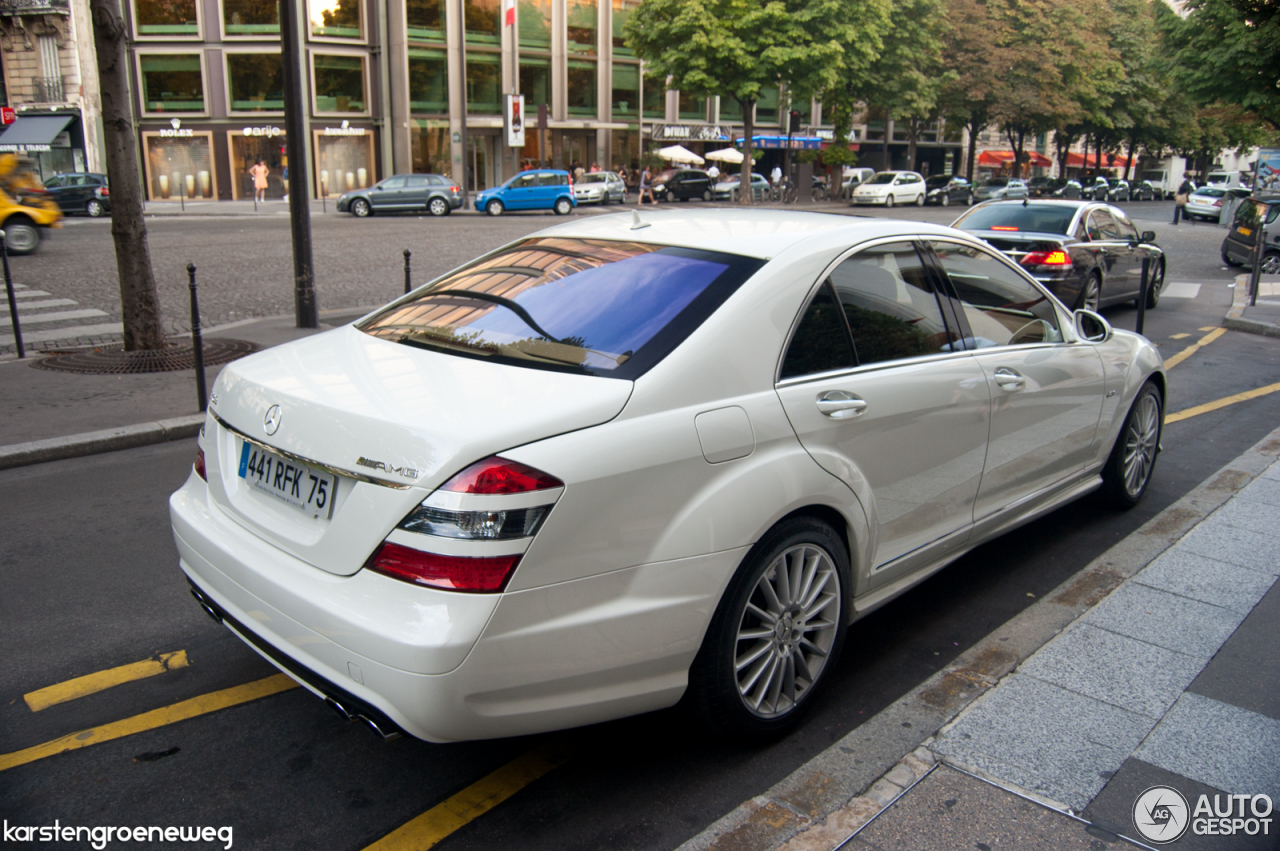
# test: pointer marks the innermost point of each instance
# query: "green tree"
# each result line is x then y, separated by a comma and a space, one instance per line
970, 49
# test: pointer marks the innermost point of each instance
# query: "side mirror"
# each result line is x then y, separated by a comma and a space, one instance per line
1148, 236
1092, 327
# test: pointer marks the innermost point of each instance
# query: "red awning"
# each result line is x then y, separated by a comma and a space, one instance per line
1090, 160
996, 159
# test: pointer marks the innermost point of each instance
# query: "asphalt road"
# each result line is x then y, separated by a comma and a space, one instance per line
91, 582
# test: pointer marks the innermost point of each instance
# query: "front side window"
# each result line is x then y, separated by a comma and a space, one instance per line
336, 19
1001, 307
166, 18
251, 17
339, 83
256, 81
171, 82
525, 181
590, 306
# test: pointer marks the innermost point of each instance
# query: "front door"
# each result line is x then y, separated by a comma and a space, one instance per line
520, 194
387, 195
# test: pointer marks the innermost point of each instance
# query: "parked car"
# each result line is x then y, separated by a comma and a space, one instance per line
1205, 203
1145, 190
1055, 187
1112, 189
681, 184
727, 188
543, 189
1000, 188
890, 188
399, 193
1118, 190
601, 187
1036, 186
1087, 253
1255, 216
485, 509
943, 189
80, 192
25, 206
855, 177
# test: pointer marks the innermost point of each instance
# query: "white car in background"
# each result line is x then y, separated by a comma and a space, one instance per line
889, 188
637, 456
600, 187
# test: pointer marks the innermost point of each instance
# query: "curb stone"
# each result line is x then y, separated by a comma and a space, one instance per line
94, 442
1235, 321
824, 802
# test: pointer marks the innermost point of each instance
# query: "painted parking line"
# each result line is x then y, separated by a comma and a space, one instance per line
1218, 404
1173, 361
472, 802
94, 683
181, 711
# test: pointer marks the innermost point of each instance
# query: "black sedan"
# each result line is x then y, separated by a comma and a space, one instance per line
431, 193
682, 184
1254, 216
1089, 254
80, 192
946, 189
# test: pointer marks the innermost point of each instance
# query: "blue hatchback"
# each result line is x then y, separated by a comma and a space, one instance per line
543, 189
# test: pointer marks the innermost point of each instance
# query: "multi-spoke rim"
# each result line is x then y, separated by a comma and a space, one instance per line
787, 630
1140, 444
1270, 263
1092, 294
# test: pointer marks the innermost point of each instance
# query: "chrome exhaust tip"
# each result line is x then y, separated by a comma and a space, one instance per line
338, 708
386, 735
204, 604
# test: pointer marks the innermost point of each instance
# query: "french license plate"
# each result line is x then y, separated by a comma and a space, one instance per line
310, 490
1245, 231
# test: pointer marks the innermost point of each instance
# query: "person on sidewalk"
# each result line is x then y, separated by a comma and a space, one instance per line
259, 174
1180, 199
645, 188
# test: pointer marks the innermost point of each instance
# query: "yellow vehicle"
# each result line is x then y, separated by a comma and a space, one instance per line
25, 207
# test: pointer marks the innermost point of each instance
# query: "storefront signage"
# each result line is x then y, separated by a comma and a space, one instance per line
7, 115
514, 119
26, 149
827, 135
177, 129
691, 132
345, 130
270, 132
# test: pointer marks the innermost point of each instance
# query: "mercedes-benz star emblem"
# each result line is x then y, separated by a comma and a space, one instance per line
271, 422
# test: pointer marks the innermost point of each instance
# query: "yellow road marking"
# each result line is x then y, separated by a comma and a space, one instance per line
472, 802
1179, 336
1208, 328
93, 683
1188, 413
1171, 362
196, 706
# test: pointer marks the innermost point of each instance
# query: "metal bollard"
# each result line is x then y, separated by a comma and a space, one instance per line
197, 341
1142, 293
408, 281
1255, 274
13, 300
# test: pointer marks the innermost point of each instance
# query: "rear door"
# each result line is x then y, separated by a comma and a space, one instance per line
1115, 252
550, 186
416, 189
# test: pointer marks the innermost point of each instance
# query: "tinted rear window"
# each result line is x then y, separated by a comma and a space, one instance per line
597, 307
1034, 218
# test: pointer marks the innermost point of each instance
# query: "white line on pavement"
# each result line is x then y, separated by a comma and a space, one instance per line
56, 316
33, 305
65, 333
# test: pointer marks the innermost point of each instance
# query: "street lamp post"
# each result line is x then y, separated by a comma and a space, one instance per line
306, 311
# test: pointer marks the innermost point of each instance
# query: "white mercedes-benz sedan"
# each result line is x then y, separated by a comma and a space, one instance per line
640, 456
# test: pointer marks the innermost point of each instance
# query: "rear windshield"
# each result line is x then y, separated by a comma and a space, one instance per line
1033, 218
596, 307
1211, 192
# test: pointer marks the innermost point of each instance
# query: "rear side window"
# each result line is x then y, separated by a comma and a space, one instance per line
821, 341
553, 179
598, 307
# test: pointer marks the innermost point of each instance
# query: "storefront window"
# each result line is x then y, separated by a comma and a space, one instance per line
251, 17
428, 81
582, 15
344, 163
655, 98
336, 18
246, 151
535, 24
166, 17
692, 108
626, 149
482, 21
484, 80
535, 81
426, 19
256, 81
626, 90
622, 10
767, 108
178, 168
429, 141
582, 87
171, 82
339, 83
730, 109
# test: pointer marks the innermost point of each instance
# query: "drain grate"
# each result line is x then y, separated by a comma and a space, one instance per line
114, 360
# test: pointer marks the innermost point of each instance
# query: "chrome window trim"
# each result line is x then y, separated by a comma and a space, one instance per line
892, 364
328, 468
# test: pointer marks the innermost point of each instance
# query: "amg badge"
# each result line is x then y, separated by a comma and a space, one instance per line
407, 472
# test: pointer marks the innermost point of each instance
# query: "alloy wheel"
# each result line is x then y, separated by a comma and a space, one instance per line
438, 207
494, 207
20, 238
93, 208
946, 199
1140, 440
360, 208
1271, 263
1092, 294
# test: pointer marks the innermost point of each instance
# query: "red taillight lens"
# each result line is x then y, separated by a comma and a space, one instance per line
199, 465
1046, 258
496, 475
1003, 227
483, 575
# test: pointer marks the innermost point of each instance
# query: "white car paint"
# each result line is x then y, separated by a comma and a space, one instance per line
907, 187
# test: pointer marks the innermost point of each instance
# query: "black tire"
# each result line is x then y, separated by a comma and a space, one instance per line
969, 202
604, 199
360, 208
1154, 285
920, 200
21, 236
706, 195
1138, 444
563, 206
715, 691
1092, 283
888, 202
94, 208
1226, 258
945, 200
438, 207
494, 207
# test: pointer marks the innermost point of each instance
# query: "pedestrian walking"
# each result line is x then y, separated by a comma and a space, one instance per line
714, 174
645, 188
284, 178
1180, 199
259, 174
775, 176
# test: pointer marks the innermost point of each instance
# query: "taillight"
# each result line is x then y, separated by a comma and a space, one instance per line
199, 465
1046, 258
456, 573
500, 475
455, 189
103, 192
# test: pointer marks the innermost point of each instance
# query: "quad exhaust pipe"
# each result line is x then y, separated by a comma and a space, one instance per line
387, 735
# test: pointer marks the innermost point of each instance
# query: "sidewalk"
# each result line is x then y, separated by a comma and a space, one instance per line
1261, 318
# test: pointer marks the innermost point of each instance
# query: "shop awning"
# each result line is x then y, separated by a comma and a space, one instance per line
996, 159
33, 132
796, 142
1075, 160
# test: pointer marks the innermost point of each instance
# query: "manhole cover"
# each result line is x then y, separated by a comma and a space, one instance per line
114, 360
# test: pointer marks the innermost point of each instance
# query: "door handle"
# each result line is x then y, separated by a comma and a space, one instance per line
840, 405
1008, 379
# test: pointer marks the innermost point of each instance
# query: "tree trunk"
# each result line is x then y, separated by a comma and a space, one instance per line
139, 301
1017, 142
1098, 154
974, 129
1128, 167
745, 191
913, 133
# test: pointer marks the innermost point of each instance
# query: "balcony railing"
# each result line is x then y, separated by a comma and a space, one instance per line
47, 90
35, 7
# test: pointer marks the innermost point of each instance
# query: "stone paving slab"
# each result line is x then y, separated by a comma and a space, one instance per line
1166, 620
1207, 580
1255, 517
1236, 546
1243, 672
1263, 490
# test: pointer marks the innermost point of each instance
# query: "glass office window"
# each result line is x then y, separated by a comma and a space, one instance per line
336, 18
256, 82
426, 19
767, 108
626, 89
535, 81
171, 82
622, 10
692, 108
484, 82
582, 87
582, 15
251, 17
166, 17
655, 98
482, 21
429, 143
428, 81
339, 83
535, 24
